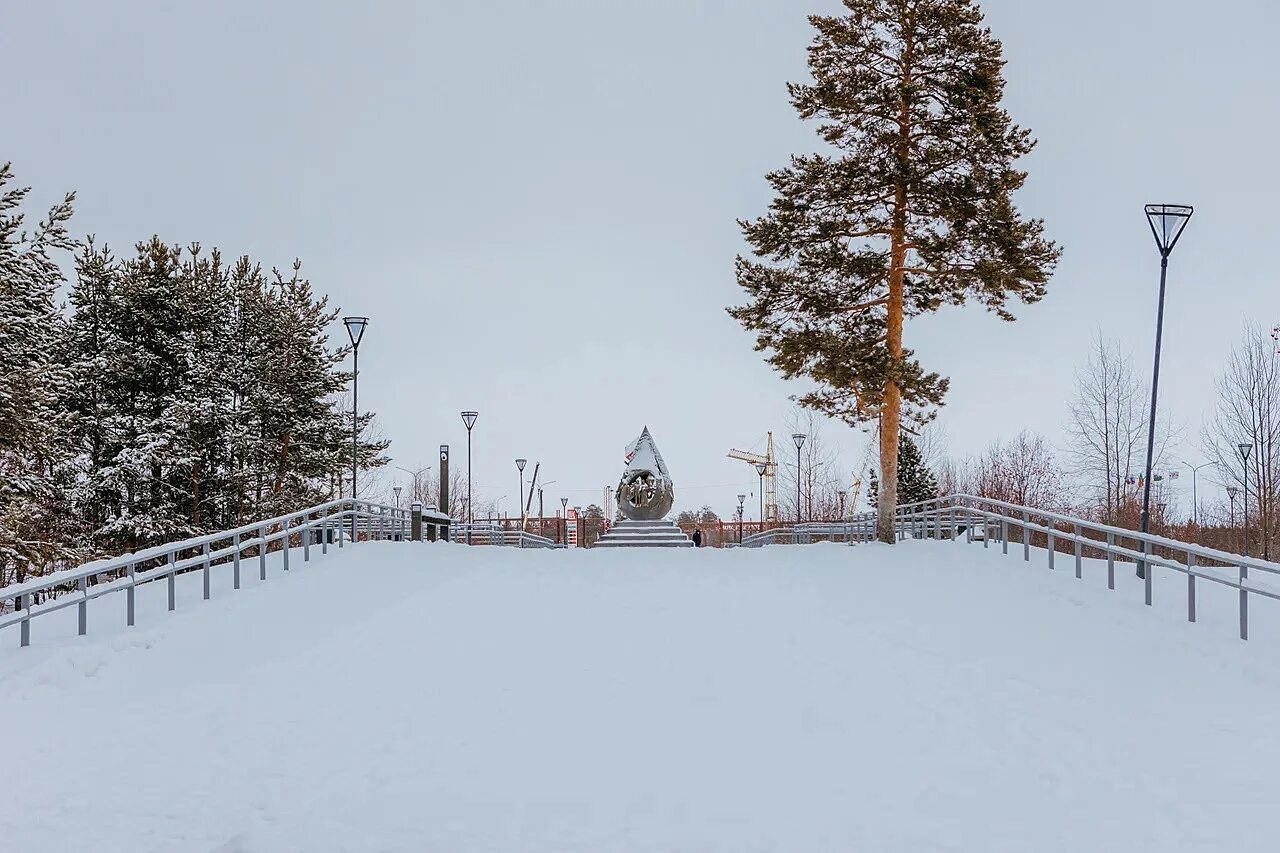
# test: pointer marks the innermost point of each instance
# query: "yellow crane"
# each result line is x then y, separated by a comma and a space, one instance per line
770, 476
864, 467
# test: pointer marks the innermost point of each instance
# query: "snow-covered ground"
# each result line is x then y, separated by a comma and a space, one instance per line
932, 696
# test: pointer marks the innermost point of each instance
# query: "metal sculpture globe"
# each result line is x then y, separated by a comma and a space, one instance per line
645, 492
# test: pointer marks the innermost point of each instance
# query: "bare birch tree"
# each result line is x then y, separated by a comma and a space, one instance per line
822, 479
1107, 427
1021, 471
1248, 412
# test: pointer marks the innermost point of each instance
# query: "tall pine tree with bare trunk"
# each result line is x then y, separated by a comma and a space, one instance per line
909, 208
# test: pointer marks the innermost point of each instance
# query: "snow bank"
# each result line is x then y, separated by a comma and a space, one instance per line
931, 696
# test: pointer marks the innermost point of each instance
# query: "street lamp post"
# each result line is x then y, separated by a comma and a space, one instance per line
741, 498
564, 519
761, 467
1167, 222
1244, 449
417, 486
1195, 504
798, 438
520, 463
1232, 491
396, 489
469, 419
355, 331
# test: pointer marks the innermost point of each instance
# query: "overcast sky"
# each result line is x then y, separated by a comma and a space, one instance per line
535, 202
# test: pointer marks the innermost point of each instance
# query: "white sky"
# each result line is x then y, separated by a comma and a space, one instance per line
535, 202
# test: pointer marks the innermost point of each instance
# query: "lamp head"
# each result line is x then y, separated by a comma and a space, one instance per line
761, 468
1167, 222
469, 418
355, 328
520, 463
1244, 449
798, 438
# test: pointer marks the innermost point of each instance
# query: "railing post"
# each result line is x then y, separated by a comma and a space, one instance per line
1111, 560
1079, 554
262, 553
129, 598
235, 562
306, 538
205, 569
340, 526
324, 532
1004, 535
284, 543
24, 632
1244, 604
173, 593
1053, 541
82, 616
1148, 570
1026, 538
1191, 587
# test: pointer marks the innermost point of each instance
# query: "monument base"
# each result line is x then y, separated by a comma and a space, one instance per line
644, 534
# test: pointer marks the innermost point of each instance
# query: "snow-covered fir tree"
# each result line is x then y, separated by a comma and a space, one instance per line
34, 450
915, 481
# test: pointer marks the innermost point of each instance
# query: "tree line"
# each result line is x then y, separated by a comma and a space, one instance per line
158, 394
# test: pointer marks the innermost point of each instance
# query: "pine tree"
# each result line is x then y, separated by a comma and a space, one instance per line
911, 209
34, 449
90, 345
916, 482
180, 395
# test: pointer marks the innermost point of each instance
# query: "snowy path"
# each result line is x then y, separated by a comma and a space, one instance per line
925, 698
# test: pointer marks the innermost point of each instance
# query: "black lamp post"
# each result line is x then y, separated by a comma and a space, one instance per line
469, 419
1167, 222
355, 330
520, 463
1195, 498
761, 467
741, 498
1244, 449
1232, 491
564, 519
396, 489
798, 438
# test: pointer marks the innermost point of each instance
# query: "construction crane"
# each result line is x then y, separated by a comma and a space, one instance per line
770, 476
864, 467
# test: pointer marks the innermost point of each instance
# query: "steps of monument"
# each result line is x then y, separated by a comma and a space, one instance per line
658, 522
644, 542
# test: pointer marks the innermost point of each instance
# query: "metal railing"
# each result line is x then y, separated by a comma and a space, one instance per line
495, 534
987, 520
859, 528
317, 525
992, 520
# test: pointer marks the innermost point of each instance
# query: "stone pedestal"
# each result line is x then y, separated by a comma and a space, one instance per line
644, 534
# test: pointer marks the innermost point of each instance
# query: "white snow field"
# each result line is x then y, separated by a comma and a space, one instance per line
409, 697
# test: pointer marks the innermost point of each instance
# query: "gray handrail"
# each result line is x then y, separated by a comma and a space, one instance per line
375, 520
952, 512
948, 516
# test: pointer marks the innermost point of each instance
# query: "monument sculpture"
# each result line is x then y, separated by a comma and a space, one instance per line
645, 496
